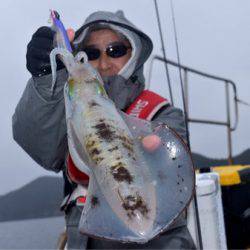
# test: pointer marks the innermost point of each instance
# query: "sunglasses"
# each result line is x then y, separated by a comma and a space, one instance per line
114, 50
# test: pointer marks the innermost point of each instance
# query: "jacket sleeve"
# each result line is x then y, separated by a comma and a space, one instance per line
38, 123
174, 118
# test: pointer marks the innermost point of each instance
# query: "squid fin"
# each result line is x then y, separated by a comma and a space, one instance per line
171, 170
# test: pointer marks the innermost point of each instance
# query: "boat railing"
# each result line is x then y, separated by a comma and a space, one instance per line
230, 126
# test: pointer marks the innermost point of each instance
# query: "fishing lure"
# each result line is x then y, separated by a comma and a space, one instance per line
133, 195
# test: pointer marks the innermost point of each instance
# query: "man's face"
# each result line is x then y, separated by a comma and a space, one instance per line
105, 64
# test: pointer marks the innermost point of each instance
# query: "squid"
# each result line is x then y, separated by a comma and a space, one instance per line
133, 195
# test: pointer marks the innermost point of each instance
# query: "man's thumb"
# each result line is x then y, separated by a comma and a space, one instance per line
71, 34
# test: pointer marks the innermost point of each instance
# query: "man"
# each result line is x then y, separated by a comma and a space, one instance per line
118, 50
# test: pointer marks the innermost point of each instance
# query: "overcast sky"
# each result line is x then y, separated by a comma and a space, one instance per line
213, 37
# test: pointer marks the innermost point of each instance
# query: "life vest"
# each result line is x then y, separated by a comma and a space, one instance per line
146, 105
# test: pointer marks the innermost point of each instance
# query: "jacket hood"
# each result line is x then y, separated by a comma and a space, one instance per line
142, 48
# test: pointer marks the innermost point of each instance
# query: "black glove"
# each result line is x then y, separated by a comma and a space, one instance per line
38, 51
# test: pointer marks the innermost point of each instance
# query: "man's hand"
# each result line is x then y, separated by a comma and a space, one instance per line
38, 51
151, 142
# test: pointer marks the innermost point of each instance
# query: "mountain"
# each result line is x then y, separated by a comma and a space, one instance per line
40, 198
201, 161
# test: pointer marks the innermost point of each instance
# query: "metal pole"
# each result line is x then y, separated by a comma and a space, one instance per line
229, 135
164, 52
185, 80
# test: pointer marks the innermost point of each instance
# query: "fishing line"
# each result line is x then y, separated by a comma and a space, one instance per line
164, 52
180, 75
186, 123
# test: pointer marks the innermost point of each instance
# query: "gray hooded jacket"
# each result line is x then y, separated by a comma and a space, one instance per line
39, 125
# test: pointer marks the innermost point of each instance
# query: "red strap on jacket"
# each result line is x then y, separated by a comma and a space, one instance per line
146, 105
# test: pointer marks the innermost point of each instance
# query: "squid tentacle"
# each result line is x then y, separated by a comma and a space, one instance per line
67, 58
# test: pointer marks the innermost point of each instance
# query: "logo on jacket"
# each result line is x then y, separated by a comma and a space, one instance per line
139, 106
